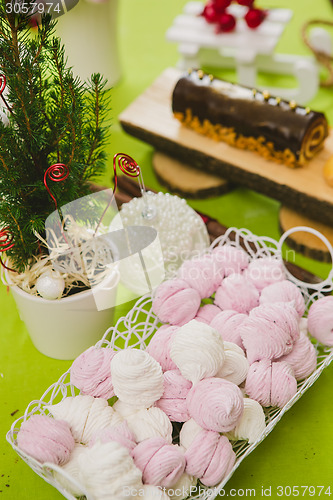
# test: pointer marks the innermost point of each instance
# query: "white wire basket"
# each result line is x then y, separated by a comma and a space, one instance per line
135, 331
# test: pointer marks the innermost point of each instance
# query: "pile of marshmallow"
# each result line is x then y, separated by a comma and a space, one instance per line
252, 305
208, 371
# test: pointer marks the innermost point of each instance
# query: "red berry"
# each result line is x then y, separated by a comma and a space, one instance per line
221, 5
209, 13
226, 22
254, 17
247, 3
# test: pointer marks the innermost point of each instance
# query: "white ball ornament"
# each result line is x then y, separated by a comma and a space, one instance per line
181, 231
50, 285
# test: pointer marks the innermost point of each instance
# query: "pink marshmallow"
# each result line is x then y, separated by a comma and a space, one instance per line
270, 331
271, 383
173, 401
283, 314
302, 358
210, 457
284, 291
175, 302
284, 384
46, 439
259, 381
202, 274
265, 271
159, 346
120, 433
207, 313
91, 373
237, 293
227, 323
230, 259
215, 404
320, 320
162, 464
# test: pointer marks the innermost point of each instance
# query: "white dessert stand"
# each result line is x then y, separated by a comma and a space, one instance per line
248, 51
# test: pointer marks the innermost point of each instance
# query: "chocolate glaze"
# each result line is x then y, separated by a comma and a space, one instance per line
249, 112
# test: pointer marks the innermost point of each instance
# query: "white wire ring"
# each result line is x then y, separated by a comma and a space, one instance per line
306, 229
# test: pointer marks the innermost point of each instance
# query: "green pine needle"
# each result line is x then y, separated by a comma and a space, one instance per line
54, 118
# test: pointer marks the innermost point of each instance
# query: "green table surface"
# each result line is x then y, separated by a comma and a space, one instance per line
299, 450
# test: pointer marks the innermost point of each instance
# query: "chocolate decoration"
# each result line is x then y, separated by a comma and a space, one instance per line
249, 119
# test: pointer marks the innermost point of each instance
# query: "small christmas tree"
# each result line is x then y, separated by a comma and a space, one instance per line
53, 118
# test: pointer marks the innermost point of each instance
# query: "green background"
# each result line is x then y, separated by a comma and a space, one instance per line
299, 450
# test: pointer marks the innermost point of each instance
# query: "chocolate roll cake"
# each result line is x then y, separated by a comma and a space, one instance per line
249, 119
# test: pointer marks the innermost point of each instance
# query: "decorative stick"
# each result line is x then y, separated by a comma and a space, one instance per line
3, 83
130, 168
6, 242
56, 173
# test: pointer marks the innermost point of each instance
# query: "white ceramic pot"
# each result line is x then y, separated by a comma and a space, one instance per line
89, 33
64, 328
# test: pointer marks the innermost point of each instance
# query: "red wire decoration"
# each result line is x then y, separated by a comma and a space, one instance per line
126, 165
6, 243
56, 173
6, 239
2, 83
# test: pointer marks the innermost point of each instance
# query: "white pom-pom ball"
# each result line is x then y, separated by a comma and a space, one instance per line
50, 285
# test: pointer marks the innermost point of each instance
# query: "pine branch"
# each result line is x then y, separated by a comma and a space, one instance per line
97, 132
71, 125
94, 143
16, 223
59, 66
13, 27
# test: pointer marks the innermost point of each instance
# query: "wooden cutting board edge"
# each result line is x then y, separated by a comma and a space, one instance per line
181, 179
303, 242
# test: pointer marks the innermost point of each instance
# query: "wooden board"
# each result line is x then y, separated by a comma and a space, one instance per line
306, 243
182, 179
150, 119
